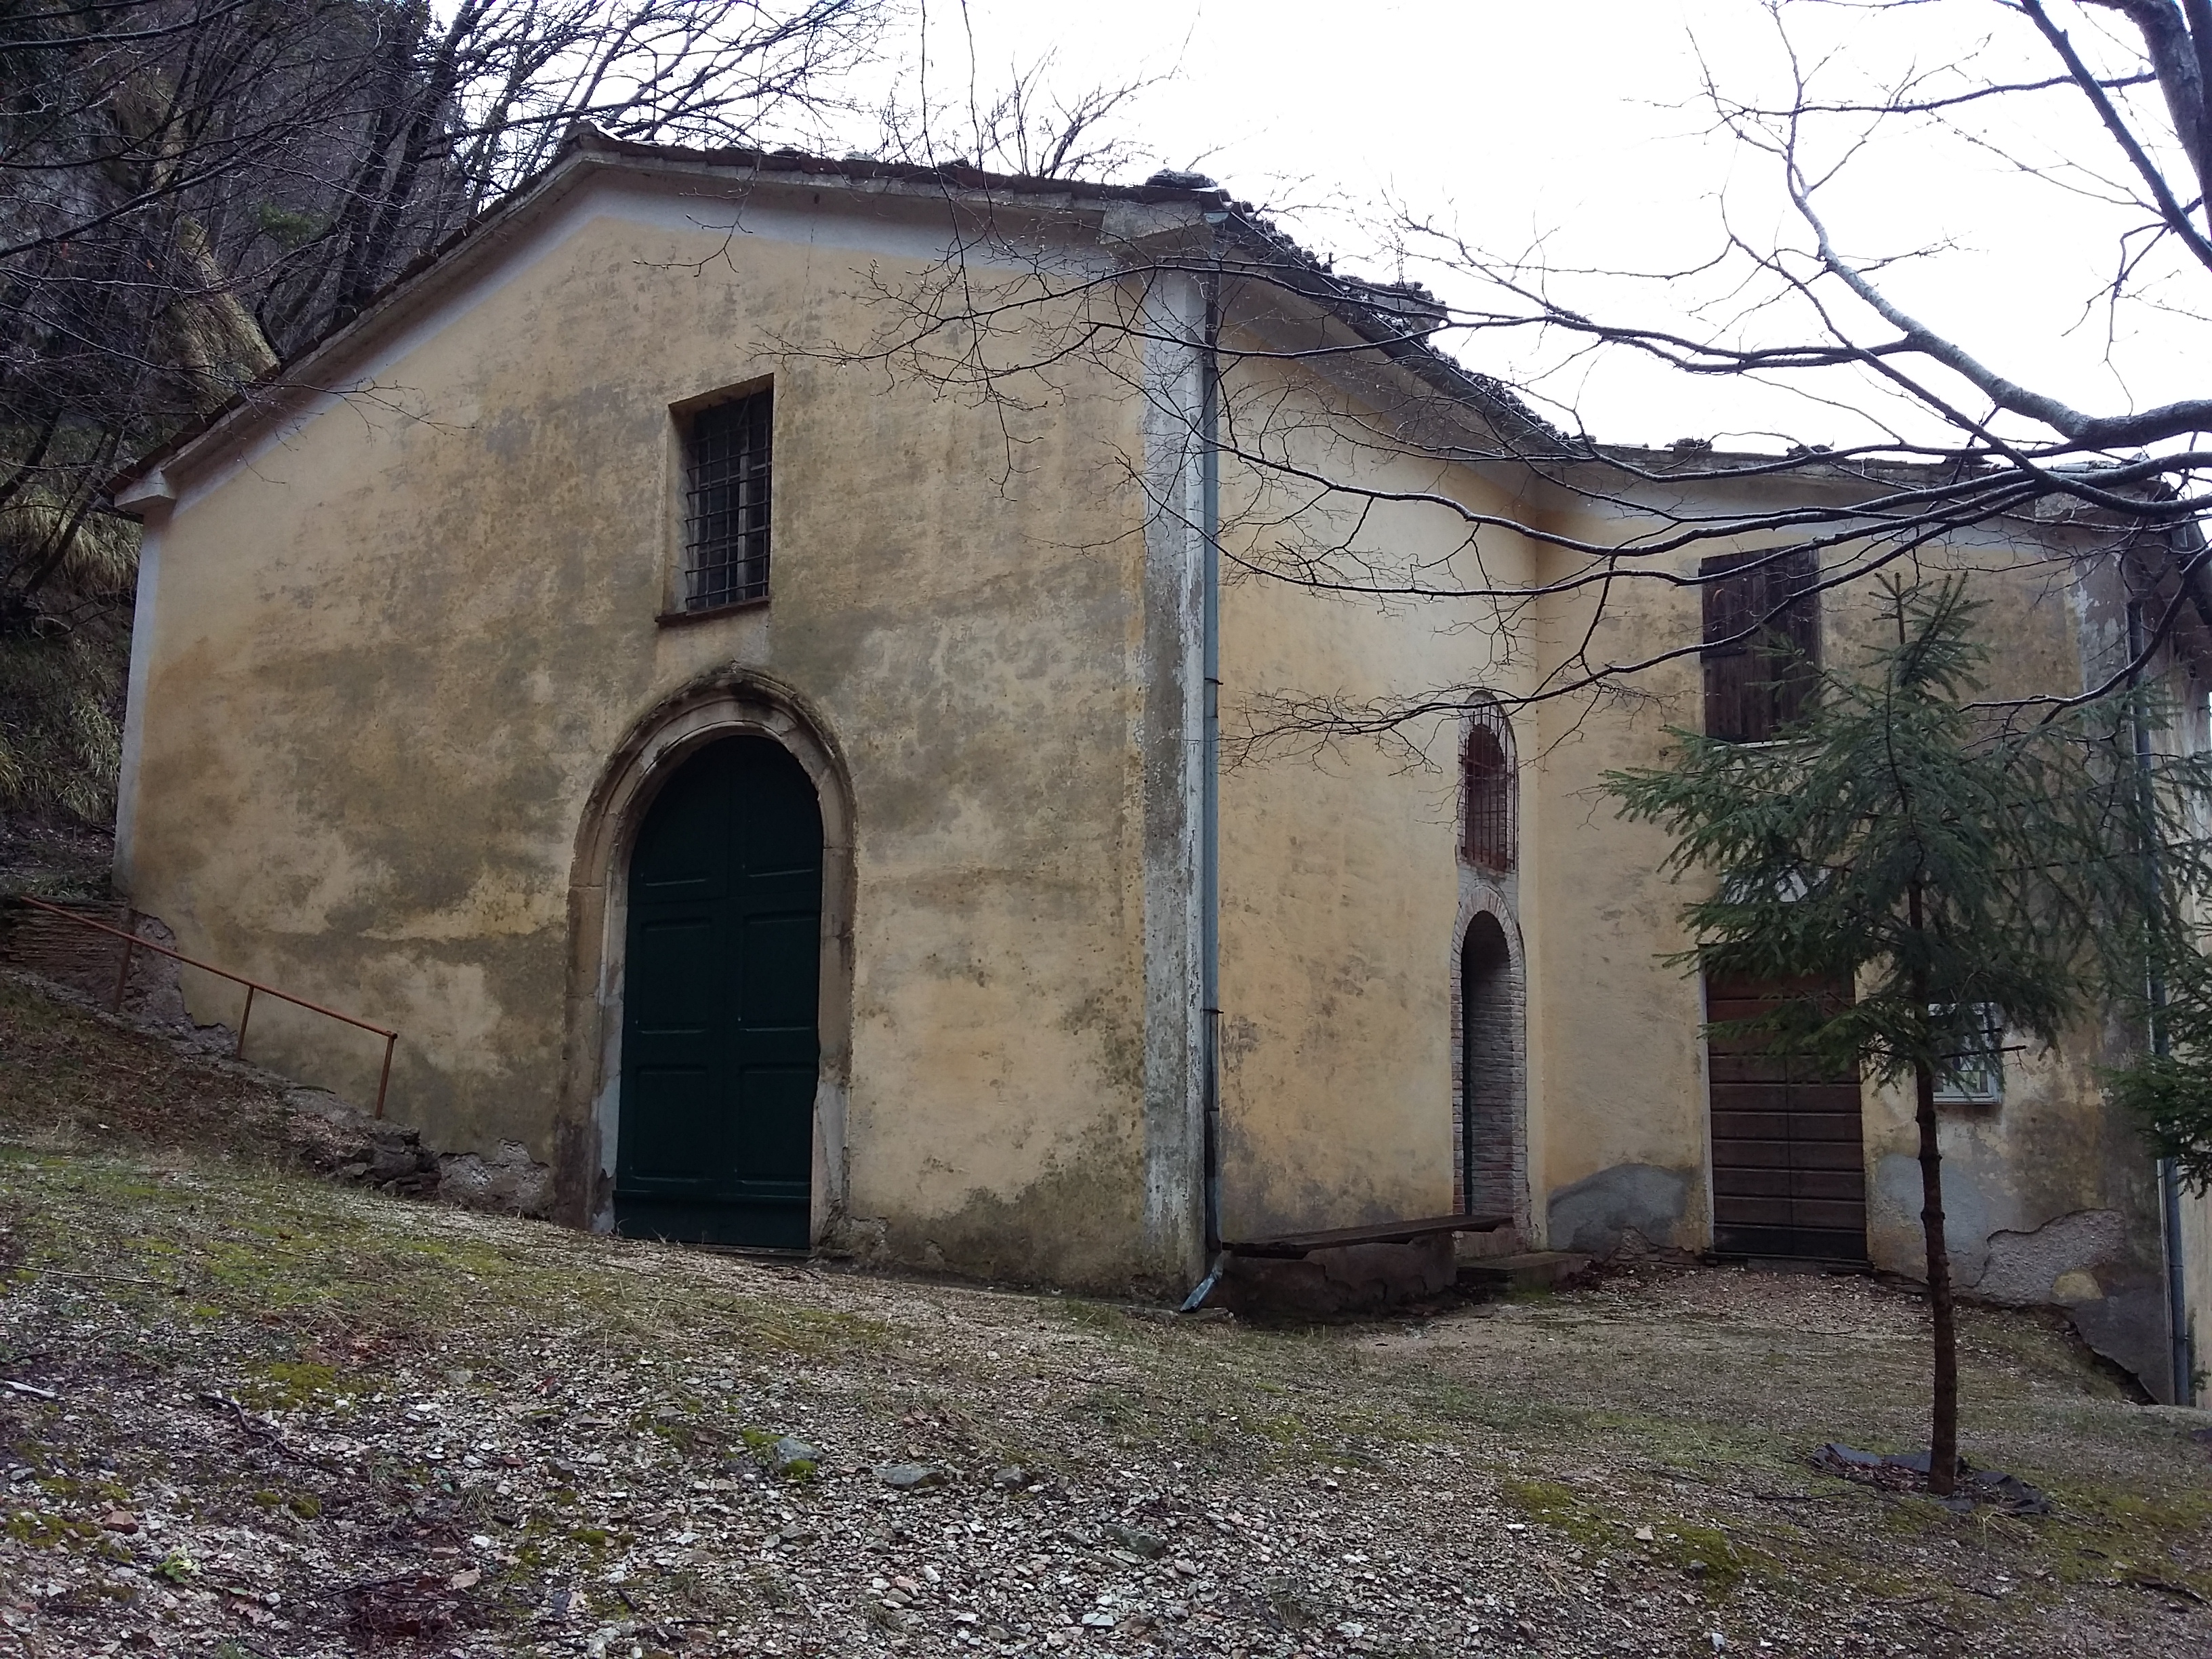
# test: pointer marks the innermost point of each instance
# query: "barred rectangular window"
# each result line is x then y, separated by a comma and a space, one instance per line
725, 503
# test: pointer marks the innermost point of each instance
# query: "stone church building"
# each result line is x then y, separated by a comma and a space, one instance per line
773, 746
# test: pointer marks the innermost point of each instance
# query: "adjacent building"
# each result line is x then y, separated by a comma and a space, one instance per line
778, 734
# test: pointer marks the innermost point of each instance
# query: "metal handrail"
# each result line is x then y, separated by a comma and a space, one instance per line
131, 942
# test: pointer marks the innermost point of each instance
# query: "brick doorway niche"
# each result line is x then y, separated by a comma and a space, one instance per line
1490, 1071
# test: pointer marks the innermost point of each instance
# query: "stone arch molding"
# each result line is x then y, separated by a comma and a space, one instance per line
1481, 895
1485, 892
724, 705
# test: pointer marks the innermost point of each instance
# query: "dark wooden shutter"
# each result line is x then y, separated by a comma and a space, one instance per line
1795, 655
1757, 683
1728, 659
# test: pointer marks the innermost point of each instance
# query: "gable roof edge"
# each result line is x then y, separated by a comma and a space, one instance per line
1379, 314
151, 476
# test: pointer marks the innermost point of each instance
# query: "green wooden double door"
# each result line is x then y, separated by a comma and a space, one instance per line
721, 1048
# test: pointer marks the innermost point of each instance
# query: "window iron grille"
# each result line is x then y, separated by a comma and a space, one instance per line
726, 501
1487, 792
1975, 1074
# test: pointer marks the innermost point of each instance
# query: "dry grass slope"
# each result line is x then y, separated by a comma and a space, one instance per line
255, 1414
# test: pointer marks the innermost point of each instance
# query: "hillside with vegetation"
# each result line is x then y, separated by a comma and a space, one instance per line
246, 1412
197, 189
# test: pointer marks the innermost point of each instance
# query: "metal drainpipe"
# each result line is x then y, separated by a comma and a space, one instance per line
2180, 1347
1209, 832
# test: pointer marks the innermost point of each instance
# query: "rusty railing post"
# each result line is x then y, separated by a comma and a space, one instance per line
123, 972
384, 1082
131, 942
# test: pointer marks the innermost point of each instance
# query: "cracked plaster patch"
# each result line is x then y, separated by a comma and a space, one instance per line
2028, 1267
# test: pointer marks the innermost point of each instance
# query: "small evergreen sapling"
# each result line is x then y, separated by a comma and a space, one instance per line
1951, 861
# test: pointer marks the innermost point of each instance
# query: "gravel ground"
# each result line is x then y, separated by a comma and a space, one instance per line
247, 1413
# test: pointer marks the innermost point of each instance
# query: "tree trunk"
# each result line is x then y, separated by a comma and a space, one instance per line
1943, 1438
1943, 1430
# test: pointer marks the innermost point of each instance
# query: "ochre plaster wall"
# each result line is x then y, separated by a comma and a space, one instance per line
390, 658
1342, 890
2050, 1196
2196, 1280
1613, 1029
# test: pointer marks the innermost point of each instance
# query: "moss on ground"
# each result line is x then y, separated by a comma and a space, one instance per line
1658, 1430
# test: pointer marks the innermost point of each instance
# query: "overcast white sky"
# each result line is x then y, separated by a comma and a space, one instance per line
1581, 120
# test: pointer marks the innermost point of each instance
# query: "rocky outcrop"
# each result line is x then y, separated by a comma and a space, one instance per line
338, 1140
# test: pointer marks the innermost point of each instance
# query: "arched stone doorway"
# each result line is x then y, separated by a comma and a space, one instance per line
720, 1046
1490, 1128
655, 753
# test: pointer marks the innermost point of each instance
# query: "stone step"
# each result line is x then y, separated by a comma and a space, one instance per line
1530, 1270
1482, 1247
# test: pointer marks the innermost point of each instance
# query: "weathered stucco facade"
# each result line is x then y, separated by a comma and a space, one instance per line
2051, 1197
404, 676
413, 662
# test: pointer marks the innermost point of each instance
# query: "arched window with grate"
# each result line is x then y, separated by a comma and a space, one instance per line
1487, 792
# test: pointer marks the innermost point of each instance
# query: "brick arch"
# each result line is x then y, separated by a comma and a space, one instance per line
725, 704
1490, 1089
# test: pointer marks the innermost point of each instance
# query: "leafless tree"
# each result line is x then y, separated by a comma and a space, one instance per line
191, 189
1939, 447
1812, 310
462, 112
1030, 126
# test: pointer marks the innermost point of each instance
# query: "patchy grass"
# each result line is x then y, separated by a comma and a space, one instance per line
68, 1078
409, 1425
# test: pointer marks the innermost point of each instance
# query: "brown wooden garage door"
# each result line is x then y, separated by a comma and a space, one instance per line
1789, 1167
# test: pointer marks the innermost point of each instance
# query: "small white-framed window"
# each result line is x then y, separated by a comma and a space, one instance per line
1975, 1074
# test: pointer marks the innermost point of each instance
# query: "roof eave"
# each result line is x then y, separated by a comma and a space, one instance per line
127, 489
586, 150
1201, 220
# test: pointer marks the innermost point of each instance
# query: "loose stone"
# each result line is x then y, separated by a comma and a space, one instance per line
910, 1477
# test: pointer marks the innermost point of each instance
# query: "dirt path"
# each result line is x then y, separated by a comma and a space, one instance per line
252, 1414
